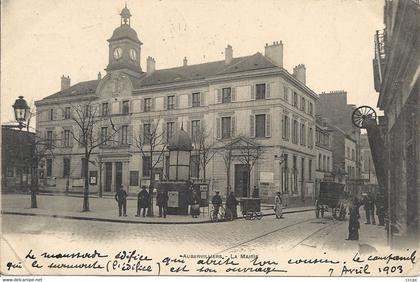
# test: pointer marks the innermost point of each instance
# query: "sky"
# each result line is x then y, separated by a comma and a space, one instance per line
43, 40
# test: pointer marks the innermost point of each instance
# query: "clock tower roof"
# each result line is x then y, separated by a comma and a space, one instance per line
124, 31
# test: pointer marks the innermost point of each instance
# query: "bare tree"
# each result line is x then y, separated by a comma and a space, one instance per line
249, 152
95, 130
225, 150
204, 148
151, 142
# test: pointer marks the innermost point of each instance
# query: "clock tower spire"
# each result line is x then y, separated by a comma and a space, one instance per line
125, 47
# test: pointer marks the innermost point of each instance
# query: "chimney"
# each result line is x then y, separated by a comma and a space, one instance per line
65, 82
299, 72
151, 65
274, 52
99, 75
228, 54
185, 62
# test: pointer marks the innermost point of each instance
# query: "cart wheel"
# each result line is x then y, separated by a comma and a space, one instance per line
259, 215
362, 115
322, 212
228, 215
212, 217
317, 212
248, 215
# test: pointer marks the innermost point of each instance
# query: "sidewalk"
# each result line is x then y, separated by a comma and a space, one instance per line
104, 209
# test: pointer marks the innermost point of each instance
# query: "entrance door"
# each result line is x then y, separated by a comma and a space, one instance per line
241, 181
118, 175
108, 176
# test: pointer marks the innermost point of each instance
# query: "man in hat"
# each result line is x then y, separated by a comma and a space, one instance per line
121, 198
162, 202
217, 202
142, 201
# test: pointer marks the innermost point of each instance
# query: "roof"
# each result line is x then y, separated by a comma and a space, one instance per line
85, 87
124, 32
180, 141
205, 70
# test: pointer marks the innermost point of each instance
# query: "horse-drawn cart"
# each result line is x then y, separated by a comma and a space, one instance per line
331, 196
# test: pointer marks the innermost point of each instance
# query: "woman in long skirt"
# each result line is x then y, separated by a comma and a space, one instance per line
278, 207
354, 224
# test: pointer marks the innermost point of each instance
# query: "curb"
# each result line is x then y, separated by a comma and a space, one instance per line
132, 221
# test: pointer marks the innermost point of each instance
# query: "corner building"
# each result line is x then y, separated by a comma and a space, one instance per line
251, 96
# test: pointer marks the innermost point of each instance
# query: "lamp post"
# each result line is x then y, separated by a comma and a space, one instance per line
21, 111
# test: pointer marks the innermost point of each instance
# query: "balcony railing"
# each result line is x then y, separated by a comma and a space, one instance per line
380, 58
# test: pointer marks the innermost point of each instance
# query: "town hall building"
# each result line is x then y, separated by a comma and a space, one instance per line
252, 98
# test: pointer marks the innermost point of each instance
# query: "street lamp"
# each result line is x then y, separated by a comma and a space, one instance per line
21, 109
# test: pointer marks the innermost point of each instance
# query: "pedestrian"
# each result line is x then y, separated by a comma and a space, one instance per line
380, 208
354, 224
142, 201
255, 192
195, 204
232, 205
367, 205
278, 207
162, 202
121, 198
217, 202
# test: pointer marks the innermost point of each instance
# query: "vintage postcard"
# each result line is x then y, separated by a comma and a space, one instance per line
210, 138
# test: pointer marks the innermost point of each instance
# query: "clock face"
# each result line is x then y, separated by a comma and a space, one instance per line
117, 53
133, 54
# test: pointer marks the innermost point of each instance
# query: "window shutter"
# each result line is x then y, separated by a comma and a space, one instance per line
177, 102
218, 96
63, 114
165, 102
55, 114
267, 91
190, 100
203, 127
71, 138
202, 102
252, 92
140, 104
282, 128
233, 89
233, 126
153, 104
120, 107
268, 125
252, 126
218, 128
62, 137
188, 122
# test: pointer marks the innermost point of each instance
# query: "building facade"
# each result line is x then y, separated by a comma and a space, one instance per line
250, 97
324, 154
367, 167
396, 74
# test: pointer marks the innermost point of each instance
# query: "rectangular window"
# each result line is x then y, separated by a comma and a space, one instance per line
66, 138
311, 109
302, 134
195, 166
105, 109
147, 104
260, 91
226, 127
286, 128
125, 107
170, 102
295, 173
134, 178
83, 167
295, 99
146, 132
319, 162
260, 125
49, 167
352, 155
328, 163
310, 138
302, 170
195, 130
104, 135
295, 132
49, 138
167, 167
226, 95
348, 152
169, 129
286, 94
51, 114
67, 113
196, 99
302, 103
146, 166
124, 134
66, 167
310, 169
286, 173
324, 163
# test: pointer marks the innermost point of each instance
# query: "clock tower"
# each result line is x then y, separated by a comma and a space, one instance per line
125, 47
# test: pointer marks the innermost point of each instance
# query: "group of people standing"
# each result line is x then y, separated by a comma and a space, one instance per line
143, 201
369, 203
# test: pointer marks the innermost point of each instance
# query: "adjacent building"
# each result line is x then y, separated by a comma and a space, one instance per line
251, 97
396, 73
324, 154
367, 167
